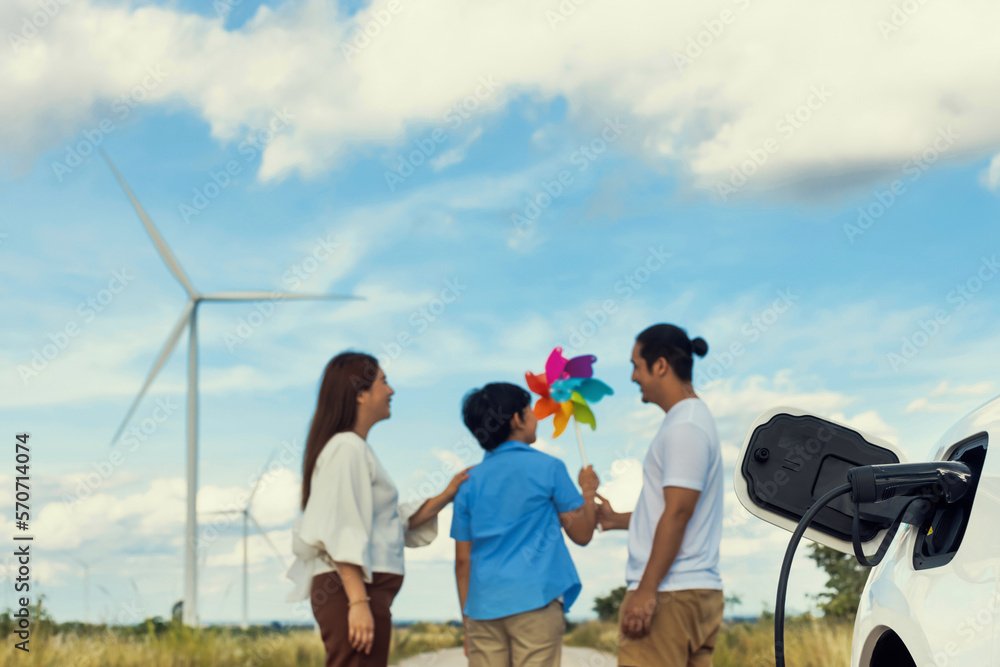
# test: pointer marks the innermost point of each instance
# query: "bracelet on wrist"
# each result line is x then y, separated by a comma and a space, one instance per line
354, 602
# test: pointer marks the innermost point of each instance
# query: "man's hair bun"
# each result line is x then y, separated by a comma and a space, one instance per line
699, 346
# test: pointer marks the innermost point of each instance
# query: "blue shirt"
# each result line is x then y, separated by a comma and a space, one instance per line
509, 509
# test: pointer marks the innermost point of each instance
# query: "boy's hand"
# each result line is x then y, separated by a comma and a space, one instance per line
588, 481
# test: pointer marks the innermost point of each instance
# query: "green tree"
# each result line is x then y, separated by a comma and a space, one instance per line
607, 606
846, 580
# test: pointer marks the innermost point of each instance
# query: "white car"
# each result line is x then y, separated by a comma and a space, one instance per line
934, 599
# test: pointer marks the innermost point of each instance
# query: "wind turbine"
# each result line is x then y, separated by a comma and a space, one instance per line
86, 584
189, 320
247, 517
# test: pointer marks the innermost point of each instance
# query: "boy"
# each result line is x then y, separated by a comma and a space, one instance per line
514, 573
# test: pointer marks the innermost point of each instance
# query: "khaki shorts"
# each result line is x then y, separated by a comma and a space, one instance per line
682, 634
529, 639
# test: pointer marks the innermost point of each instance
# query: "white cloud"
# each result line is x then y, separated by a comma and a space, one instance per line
51, 572
991, 175
457, 154
157, 511
923, 405
274, 504
945, 389
756, 393
975, 389
258, 551
550, 448
442, 548
882, 101
622, 490
868, 422
450, 459
150, 513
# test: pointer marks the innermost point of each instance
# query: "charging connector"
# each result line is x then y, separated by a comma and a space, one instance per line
948, 480
937, 482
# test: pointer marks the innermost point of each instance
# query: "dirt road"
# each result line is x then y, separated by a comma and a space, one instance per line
453, 657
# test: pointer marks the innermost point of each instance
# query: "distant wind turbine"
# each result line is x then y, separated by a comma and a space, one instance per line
247, 517
135, 587
86, 584
189, 319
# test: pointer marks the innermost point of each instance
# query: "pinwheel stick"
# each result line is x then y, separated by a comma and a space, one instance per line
579, 441
583, 455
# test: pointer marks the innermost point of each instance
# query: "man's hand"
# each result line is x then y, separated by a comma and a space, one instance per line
637, 614
607, 517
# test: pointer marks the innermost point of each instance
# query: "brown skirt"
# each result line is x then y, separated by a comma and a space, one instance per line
329, 605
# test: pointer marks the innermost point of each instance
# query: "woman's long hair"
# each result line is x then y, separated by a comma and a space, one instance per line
347, 374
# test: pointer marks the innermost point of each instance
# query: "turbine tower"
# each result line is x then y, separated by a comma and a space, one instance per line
247, 517
189, 320
86, 584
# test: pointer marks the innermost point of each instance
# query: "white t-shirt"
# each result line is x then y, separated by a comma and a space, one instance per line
352, 516
685, 452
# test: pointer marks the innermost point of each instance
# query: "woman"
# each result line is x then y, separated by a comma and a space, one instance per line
349, 541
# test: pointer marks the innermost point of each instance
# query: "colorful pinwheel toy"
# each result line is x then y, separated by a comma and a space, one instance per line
566, 388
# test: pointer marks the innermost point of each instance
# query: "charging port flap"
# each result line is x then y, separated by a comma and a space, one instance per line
790, 458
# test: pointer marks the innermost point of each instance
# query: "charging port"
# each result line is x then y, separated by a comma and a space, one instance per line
940, 534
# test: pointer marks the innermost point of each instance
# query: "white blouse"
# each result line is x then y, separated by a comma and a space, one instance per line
352, 516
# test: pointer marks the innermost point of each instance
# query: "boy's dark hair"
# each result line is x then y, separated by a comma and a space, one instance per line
487, 412
671, 343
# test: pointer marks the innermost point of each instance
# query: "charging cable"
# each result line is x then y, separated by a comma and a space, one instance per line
942, 481
786, 568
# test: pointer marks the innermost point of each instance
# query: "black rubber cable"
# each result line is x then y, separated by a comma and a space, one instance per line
786, 568
859, 553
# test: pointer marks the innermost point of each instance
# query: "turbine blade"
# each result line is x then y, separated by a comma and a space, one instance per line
222, 512
154, 234
257, 483
254, 295
168, 347
268, 540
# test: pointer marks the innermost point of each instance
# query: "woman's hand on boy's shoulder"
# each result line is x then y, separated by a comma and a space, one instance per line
452, 489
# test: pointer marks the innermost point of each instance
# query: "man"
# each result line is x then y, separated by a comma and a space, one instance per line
672, 611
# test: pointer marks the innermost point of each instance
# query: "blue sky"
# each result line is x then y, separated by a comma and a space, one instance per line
635, 233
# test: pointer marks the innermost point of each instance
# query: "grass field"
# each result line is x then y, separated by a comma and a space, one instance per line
809, 643
172, 645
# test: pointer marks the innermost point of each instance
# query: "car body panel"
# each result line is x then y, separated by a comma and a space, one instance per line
946, 615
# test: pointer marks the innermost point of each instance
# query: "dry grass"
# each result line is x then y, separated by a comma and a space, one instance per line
184, 647
808, 642
179, 648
